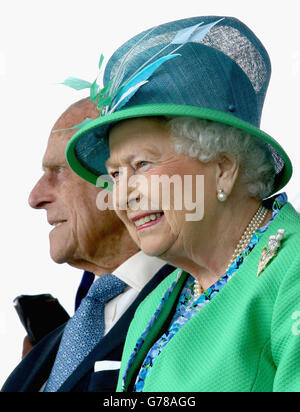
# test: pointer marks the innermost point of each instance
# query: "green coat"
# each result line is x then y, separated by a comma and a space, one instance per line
247, 339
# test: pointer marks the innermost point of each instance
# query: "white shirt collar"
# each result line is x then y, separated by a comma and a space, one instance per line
138, 270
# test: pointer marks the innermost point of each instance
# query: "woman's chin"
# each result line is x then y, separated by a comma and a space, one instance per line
153, 240
154, 247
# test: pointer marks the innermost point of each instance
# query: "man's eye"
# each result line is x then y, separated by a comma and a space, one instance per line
58, 170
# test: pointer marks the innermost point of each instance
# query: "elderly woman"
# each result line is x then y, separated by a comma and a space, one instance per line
227, 319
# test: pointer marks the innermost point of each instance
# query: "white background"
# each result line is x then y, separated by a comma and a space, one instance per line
42, 43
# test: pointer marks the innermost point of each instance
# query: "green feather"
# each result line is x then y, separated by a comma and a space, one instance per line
77, 84
101, 61
78, 126
94, 89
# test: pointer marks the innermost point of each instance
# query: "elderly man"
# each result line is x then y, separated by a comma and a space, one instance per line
84, 354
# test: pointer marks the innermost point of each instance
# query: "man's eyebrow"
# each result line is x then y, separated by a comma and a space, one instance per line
51, 165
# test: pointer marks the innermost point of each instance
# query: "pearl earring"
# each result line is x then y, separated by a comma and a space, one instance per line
222, 197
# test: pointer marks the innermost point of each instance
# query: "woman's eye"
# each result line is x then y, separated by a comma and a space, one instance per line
141, 164
115, 174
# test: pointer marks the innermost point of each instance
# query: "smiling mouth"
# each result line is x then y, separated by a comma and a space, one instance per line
147, 220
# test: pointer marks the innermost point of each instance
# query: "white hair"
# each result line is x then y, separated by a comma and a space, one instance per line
207, 140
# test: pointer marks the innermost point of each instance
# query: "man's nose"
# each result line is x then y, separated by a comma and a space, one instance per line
41, 194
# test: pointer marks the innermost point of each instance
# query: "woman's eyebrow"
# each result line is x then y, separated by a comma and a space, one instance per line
116, 163
128, 159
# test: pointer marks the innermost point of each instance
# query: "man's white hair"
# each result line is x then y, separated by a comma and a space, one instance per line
207, 140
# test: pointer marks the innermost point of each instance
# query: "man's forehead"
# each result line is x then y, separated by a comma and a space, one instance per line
55, 151
61, 132
76, 113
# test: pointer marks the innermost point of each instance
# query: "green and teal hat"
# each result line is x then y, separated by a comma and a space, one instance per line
212, 68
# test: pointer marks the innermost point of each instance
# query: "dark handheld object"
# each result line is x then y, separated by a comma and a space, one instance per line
40, 314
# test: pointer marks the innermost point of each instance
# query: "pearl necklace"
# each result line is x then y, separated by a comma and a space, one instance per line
254, 224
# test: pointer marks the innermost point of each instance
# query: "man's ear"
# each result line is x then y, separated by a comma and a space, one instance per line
227, 172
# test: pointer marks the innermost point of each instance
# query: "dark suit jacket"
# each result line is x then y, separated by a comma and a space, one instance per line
35, 368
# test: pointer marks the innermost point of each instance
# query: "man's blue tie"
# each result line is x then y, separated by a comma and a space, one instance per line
84, 330
85, 284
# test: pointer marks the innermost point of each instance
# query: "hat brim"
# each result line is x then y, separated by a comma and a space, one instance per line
168, 110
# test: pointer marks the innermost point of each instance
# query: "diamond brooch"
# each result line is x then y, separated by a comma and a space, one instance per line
270, 251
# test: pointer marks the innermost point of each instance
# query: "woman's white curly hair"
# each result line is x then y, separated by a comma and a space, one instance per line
206, 140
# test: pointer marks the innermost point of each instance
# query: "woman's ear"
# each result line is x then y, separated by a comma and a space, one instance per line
227, 172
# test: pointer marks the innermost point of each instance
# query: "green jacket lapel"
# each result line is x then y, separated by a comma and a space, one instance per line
162, 322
